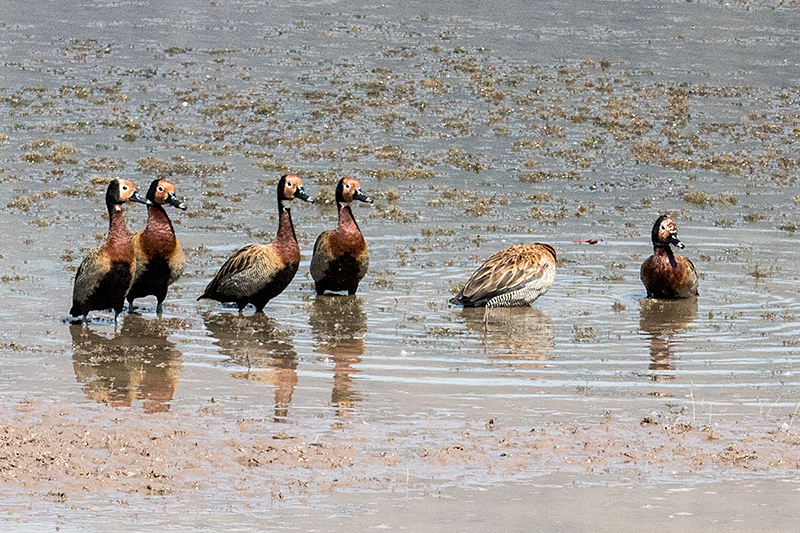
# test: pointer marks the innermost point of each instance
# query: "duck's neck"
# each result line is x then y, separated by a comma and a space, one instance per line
285, 242
665, 250
157, 217
347, 222
286, 232
158, 220
662, 249
118, 237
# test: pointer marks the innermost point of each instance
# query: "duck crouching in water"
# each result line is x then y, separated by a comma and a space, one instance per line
513, 277
105, 275
259, 272
664, 274
341, 256
159, 258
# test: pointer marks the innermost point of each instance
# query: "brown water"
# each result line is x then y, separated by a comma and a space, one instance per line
474, 127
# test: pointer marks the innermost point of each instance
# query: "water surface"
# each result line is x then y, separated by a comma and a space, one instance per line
474, 127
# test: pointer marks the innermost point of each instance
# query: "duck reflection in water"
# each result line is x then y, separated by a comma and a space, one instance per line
255, 342
662, 321
138, 363
514, 333
338, 325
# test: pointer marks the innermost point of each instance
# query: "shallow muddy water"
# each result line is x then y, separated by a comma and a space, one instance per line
473, 128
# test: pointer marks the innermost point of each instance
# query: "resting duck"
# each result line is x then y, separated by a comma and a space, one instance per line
105, 275
159, 257
259, 272
512, 277
341, 257
664, 274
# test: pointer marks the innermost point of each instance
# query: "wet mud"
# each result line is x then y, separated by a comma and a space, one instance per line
205, 458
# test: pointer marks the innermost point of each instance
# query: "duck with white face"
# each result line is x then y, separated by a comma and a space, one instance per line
105, 275
664, 274
341, 256
259, 272
159, 258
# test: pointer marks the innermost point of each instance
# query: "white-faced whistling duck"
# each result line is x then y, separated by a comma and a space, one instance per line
259, 272
105, 275
513, 277
159, 257
341, 257
664, 274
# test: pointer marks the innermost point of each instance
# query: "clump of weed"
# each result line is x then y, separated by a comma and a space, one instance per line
541, 197
325, 196
438, 232
104, 164
727, 164
527, 144
551, 217
441, 331
701, 199
755, 270
754, 217
384, 279
580, 334
26, 202
543, 175
63, 154
434, 86
396, 214
33, 157
465, 161
401, 174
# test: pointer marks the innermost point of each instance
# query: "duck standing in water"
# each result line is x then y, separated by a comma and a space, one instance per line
259, 272
159, 257
105, 275
664, 274
341, 257
513, 277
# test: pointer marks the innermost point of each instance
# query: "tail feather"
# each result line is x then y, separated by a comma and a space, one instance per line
76, 309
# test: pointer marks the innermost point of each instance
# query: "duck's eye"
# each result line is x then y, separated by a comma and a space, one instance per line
160, 188
346, 185
124, 187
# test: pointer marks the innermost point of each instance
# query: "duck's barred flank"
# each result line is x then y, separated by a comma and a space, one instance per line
513, 277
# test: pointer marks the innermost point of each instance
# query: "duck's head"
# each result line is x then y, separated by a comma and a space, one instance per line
665, 232
348, 190
162, 192
120, 191
291, 187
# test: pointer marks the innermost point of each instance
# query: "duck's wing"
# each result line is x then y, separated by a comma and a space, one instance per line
141, 256
177, 263
322, 256
90, 272
509, 270
245, 272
